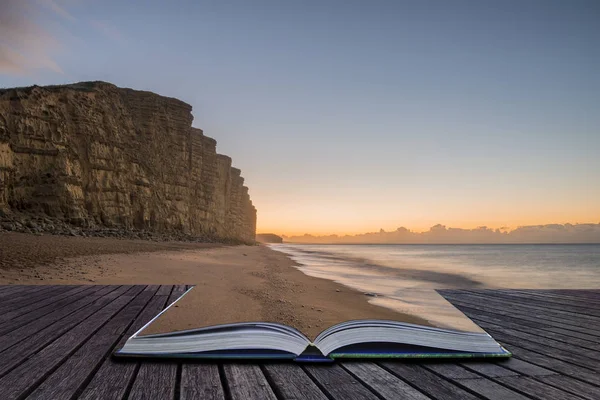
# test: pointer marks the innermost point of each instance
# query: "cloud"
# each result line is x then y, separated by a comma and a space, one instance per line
550, 233
10, 61
24, 43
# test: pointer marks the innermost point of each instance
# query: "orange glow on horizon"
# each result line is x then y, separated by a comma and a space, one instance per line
328, 209
323, 231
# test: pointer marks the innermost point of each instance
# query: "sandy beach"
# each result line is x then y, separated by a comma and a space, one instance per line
264, 282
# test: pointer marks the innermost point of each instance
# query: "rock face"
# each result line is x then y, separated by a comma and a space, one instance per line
95, 155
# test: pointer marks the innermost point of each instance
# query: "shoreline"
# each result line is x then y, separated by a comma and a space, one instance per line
254, 282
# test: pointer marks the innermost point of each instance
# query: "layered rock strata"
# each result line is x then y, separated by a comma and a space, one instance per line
95, 155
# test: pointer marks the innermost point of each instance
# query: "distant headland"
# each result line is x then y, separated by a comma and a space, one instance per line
268, 238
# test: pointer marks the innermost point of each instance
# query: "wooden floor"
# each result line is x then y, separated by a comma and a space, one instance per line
56, 341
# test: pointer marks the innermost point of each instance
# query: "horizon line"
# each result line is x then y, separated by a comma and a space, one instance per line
502, 229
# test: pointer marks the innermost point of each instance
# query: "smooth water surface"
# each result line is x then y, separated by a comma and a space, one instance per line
385, 269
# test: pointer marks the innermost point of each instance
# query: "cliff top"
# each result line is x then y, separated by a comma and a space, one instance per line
88, 86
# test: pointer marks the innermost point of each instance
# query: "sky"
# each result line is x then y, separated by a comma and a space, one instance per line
351, 116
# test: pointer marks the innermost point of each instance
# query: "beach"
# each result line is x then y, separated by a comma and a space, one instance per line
258, 282
307, 287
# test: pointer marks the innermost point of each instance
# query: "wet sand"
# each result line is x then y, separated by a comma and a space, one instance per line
253, 281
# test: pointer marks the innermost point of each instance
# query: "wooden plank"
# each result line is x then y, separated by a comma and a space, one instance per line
536, 389
581, 296
178, 291
450, 370
10, 287
535, 345
426, 381
559, 366
510, 367
582, 301
550, 342
543, 318
549, 300
382, 382
491, 390
524, 367
545, 292
149, 367
68, 290
164, 296
541, 296
24, 378
30, 291
289, 381
19, 320
488, 369
587, 294
40, 307
564, 318
531, 301
114, 376
533, 327
5, 287
505, 377
152, 288
73, 373
156, 381
14, 303
337, 383
13, 290
582, 389
524, 308
516, 320
247, 382
200, 381
43, 320
11, 303
16, 354
164, 290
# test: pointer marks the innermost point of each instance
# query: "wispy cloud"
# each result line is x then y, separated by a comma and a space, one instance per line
24, 42
108, 30
10, 61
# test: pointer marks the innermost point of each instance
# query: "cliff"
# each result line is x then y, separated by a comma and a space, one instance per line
94, 155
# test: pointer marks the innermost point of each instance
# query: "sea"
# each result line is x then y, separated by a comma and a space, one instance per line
385, 272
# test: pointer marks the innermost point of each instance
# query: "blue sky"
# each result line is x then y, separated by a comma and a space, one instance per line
347, 116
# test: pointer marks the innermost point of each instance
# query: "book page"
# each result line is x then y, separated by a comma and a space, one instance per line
432, 306
200, 309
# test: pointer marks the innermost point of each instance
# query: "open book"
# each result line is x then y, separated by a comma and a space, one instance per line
168, 335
